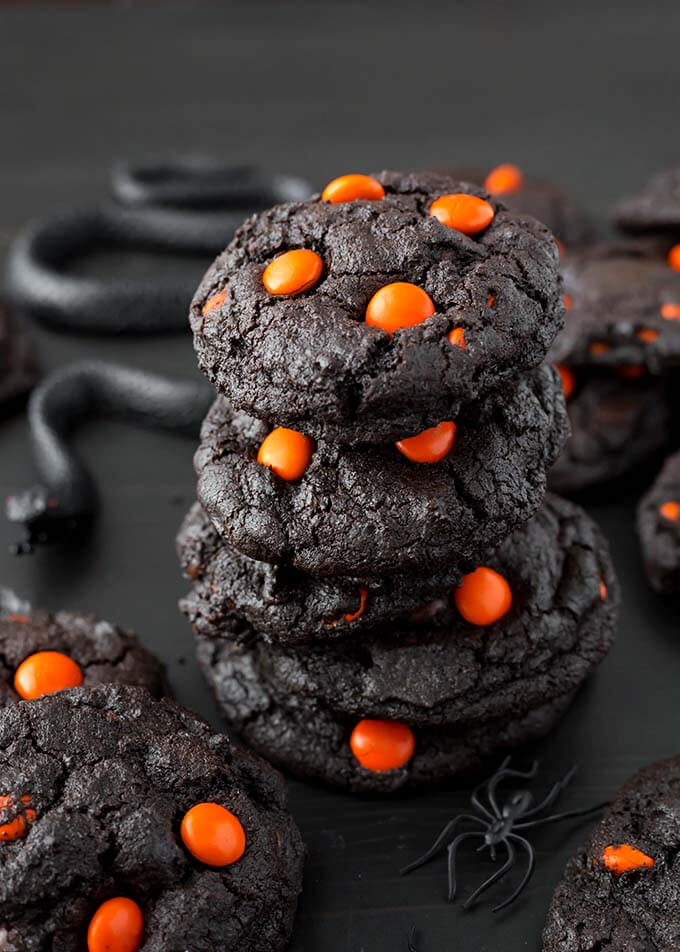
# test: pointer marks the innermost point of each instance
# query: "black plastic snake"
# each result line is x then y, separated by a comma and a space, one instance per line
66, 498
183, 205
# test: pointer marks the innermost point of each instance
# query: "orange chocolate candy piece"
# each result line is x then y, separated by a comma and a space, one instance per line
46, 672
117, 926
623, 858
483, 596
504, 179
351, 188
287, 452
382, 745
670, 510
293, 272
213, 835
399, 305
465, 213
431, 445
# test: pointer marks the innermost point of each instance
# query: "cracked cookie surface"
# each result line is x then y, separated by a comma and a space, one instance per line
312, 363
616, 425
621, 892
625, 309
103, 652
658, 521
456, 686
110, 773
369, 511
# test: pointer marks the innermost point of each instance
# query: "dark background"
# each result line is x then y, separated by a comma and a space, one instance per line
585, 93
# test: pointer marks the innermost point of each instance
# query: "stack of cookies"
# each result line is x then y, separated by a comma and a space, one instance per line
382, 595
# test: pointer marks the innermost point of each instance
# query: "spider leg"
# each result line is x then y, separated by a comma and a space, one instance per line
499, 874
441, 841
559, 816
527, 876
554, 793
502, 773
412, 940
476, 801
453, 849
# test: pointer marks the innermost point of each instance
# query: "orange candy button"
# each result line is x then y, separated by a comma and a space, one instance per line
671, 312
504, 179
647, 335
382, 745
674, 257
670, 510
116, 926
457, 338
624, 858
567, 301
399, 305
217, 300
17, 828
599, 347
293, 272
431, 445
568, 379
603, 591
363, 595
483, 596
46, 673
213, 835
350, 188
287, 452
465, 213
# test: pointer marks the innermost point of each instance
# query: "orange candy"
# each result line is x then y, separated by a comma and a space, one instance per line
46, 672
465, 213
382, 745
431, 445
293, 272
217, 300
399, 305
670, 510
483, 596
567, 301
603, 591
624, 858
504, 179
647, 335
213, 835
363, 595
491, 300
457, 338
674, 257
568, 379
671, 312
350, 188
17, 617
287, 452
599, 347
116, 926
17, 828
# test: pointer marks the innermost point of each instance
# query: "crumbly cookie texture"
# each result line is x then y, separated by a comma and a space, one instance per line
454, 686
109, 773
368, 510
621, 892
310, 361
658, 521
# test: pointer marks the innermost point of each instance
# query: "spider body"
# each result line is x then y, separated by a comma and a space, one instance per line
498, 825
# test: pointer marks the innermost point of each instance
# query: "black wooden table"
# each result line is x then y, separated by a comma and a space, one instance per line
583, 94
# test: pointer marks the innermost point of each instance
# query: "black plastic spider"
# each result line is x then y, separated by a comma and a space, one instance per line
500, 825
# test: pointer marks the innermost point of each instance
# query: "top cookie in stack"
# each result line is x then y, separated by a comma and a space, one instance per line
384, 422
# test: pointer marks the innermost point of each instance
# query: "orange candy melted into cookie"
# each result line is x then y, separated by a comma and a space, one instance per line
117, 926
674, 258
46, 672
623, 858
382, 745
213, 835
483, 597
351, 188
293, 272
17, 827
465, 213
567, 378
399, 305
431, 445
287, 452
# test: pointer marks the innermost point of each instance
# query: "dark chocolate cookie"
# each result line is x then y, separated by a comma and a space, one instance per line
109, 796
18, 369
616, 425
624, 309
41, 653
368, 510
546, 201
306, 357
456, 687
621, 892
288, 606
658, 522
655, 210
